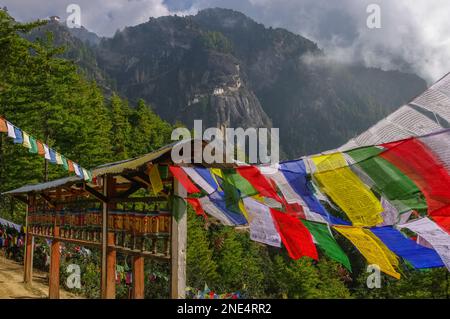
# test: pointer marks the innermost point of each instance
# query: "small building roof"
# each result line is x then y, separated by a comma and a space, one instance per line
110, 168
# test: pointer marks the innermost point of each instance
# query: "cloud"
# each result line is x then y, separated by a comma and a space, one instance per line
102, 17
413, 37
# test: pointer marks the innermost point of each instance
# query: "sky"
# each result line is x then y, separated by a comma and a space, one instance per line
414, 34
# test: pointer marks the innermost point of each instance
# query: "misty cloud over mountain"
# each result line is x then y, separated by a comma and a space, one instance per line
413, 36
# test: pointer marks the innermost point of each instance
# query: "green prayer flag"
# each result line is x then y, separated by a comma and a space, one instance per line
327, 243
178, 207
389, 181
65, 163
235, 187
163, 171
33, 144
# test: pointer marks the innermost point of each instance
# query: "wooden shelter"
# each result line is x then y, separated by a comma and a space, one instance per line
116, 212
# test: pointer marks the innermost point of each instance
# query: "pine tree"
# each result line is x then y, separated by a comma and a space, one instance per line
120, 134
149, 131
201, 268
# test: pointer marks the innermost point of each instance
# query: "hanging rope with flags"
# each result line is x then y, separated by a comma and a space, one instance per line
35, 146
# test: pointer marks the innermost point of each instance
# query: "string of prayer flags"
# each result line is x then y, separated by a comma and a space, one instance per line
36, 147
325, 240
418, 256
434, 235
295, 236
344, 187
369, 248
181, 176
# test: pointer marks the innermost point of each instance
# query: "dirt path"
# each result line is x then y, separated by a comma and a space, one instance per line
12, 286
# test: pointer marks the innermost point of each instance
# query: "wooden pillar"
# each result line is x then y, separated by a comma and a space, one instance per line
108, 239
138, 277
54, 266
111, 269
28, 258
178, 249
104, 237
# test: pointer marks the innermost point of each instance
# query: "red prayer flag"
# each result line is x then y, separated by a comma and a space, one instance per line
443, 222
3, 126
295, 236
253, 175
423, 167
182, 177
195, 203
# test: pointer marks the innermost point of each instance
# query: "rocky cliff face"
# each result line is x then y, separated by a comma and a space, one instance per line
224, 68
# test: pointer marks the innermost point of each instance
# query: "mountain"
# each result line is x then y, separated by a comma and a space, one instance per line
221, 66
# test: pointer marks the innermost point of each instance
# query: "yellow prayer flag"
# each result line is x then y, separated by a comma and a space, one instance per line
155, 179
243, 210
345, 188
26, 140
58, 158
216, 172
375, 252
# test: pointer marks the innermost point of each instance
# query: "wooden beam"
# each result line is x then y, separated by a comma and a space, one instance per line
23, 199
178, 248
133, 189
101, 197
54, 266
138, 277
47, 199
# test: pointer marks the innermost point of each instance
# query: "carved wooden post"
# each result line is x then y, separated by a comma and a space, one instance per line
178, 248
138, 277
54, 265
108, 254
104, 237
28, 259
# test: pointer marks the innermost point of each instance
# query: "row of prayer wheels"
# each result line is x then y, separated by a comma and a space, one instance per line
118, 221
139, 223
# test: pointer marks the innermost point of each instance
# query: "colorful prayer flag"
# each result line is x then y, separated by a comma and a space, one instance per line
155, 179
370, 248
325, 240
181, 176
347, 190
295, 236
